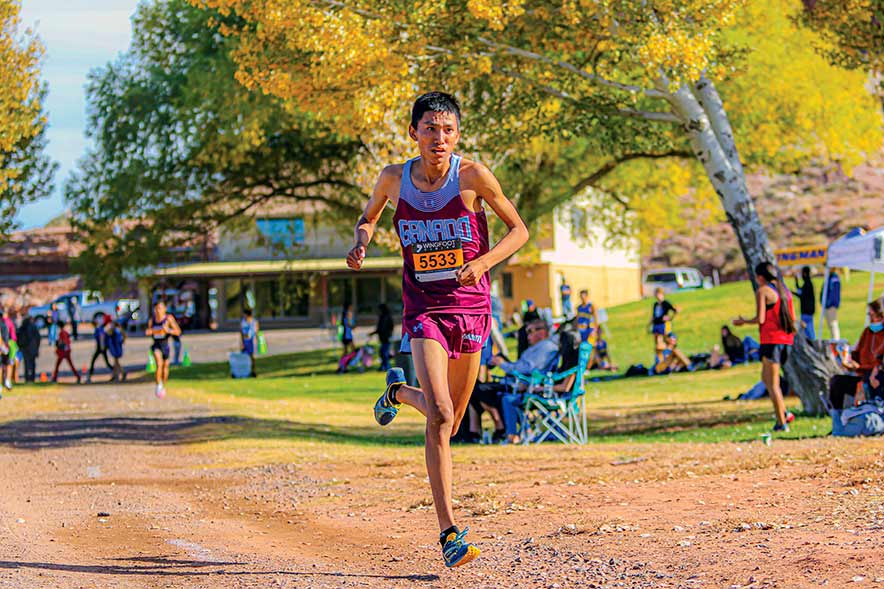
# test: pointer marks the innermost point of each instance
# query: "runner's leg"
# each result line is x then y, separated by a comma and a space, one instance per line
462, 374
431, 364
770, 374
158, 357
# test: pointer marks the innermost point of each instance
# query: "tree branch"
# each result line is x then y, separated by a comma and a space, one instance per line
594, 78
666, 117
608, 167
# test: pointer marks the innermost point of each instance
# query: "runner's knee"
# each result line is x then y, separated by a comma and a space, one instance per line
440, 414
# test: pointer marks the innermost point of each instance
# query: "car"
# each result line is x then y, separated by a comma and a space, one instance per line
92, 306
673, 279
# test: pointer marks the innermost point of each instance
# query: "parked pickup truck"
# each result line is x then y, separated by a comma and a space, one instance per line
91, 305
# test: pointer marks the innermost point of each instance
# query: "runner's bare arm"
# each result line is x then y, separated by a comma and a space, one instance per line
366, 224
488, 188
174, 328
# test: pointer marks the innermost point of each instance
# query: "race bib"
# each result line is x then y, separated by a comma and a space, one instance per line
437, 260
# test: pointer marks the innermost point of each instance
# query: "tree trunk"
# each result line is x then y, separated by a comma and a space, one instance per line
724, 172
705, 121
809, 369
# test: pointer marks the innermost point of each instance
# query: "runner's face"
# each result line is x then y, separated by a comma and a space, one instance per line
437, 135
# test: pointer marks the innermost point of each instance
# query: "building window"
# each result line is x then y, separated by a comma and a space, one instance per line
233, 298
507, 285
282, 232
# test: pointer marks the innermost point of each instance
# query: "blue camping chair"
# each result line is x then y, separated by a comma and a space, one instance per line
558, 416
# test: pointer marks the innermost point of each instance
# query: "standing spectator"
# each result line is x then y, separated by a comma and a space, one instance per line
99, 333
347, 330
661, 318
116, 337
248, 333
29, 344
52, 321
9, 372
63, 352
832, 303
176, 350
807, 301
567, 306
531, 313
4, 351
384, 331
775, 318
587, 318
74, 316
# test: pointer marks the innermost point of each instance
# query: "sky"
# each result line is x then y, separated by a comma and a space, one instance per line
78, 35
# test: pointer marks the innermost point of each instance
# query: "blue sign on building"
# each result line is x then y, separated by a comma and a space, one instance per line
284, 232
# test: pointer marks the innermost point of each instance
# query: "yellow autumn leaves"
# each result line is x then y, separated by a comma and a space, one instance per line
20, 117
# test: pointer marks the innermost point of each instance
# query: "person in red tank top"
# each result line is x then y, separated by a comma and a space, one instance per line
775, 317
439, 216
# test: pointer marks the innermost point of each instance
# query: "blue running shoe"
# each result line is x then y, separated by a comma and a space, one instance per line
456, 551
781, 427
384, 409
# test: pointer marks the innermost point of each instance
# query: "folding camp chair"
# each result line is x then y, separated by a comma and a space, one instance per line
562, 416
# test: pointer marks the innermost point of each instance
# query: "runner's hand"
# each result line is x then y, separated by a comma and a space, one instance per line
471, 273
355, 257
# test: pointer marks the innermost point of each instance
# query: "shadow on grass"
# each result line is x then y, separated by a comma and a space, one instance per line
162, 566
52, 433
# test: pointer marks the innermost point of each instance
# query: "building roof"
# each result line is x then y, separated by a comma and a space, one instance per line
205, 269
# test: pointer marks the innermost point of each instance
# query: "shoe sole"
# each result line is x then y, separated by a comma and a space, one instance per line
472, 554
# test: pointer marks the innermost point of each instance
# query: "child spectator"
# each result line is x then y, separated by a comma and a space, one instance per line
99, 333
116, 337
661, 318
63, 352
587, 319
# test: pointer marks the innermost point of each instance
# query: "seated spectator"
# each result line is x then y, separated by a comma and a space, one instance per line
669, 358
601, 357
875, 383
717, 360
732, 346
862, 361
541, 352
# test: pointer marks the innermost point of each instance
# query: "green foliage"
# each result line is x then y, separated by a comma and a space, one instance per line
34, 171
180, 148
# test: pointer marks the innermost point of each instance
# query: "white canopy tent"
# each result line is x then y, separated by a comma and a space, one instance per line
857, 250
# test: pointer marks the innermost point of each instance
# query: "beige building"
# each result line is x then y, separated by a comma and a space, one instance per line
612, 275
288, 266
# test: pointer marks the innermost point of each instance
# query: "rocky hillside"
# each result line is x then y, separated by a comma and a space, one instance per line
810, 208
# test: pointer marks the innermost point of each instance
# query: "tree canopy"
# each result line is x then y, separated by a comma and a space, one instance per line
25, 171
852, 31
179, 148
632, 82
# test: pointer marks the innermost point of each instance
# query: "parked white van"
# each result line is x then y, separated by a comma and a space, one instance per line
673, 279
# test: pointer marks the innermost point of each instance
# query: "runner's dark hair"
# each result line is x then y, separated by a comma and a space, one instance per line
434, 102
877, 306
772, 275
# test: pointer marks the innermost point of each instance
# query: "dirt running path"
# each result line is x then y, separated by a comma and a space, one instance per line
118, 489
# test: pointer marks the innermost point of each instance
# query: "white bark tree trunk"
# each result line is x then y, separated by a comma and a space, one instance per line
709, 132
701, 111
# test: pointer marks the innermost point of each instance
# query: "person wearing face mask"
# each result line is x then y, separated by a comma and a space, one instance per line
864, 357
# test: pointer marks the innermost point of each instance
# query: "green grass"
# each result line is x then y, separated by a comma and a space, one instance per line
299, 396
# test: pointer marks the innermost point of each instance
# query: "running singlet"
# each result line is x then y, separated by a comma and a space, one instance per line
771, 331
439, 234
158, 329
247, 328
585, 318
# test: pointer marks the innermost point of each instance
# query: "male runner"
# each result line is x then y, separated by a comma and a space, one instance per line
443, 231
